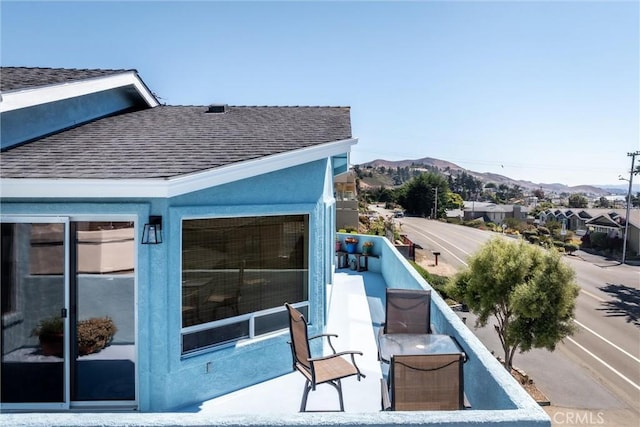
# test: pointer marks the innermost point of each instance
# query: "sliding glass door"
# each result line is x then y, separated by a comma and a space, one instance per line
68, 313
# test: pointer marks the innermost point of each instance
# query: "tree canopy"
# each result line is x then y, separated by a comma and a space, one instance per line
578, 200
419, 195
529, 291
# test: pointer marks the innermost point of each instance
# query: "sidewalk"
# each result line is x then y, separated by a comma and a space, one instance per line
604, 260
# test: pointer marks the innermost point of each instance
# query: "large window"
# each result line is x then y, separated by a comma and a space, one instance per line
237, 273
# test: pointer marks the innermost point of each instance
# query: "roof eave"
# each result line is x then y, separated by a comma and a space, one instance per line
21, 188
14, 100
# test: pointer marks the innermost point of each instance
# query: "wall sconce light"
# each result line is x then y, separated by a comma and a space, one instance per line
152, 232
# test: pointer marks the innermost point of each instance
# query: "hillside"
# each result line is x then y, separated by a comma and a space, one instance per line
448, 168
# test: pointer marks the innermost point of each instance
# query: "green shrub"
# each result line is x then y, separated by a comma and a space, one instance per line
598, 240
438, 283
571, 247
476, 223
535, 240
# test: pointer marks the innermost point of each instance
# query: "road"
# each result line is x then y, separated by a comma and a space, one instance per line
598, 368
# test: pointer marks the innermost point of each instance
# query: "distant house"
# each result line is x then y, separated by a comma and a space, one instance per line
609, 221
158, 217
346, 201
491, 212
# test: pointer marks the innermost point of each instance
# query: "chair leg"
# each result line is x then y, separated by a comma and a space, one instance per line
338, 386
307, 388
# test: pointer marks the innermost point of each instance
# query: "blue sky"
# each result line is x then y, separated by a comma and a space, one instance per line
540, 91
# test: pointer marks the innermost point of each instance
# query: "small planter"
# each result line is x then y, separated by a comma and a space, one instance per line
51, 345
352, 244
366, 248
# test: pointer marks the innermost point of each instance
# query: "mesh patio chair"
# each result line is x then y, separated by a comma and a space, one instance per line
328, 369
407, 311
424, 382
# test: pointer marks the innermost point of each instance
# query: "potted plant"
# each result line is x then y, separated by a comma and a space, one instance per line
366, 247
95, 334
352, 244
50, 333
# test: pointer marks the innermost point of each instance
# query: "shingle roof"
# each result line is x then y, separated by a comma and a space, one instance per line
14, 78
168, 141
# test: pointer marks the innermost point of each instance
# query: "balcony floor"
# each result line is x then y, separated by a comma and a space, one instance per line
355, 305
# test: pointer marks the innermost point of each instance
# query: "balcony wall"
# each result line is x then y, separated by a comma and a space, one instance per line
492, 392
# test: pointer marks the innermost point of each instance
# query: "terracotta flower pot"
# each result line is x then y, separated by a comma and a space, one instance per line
51, 345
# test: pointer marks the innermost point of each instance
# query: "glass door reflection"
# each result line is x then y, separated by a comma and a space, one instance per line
33, 345
104, 291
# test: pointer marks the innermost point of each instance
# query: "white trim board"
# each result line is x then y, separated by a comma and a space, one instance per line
29, 97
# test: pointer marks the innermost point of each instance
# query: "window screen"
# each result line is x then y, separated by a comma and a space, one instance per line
235, 268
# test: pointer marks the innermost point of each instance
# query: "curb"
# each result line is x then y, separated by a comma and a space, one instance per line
544, 402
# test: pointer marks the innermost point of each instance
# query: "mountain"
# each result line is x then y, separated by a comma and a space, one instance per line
453, 169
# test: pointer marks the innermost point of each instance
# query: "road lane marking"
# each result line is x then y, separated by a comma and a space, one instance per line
611, 368
594, 296
623, 351
446, 250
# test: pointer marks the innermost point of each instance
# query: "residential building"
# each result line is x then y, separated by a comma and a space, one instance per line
187, 227
610, 221
346, 201
491, 212
240, 194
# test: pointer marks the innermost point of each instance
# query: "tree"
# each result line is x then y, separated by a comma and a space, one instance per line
603, 202
539, 193
454, 201
578, 200
418, 196
529, 291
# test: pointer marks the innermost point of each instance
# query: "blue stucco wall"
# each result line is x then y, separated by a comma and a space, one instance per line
177, 381
165, 379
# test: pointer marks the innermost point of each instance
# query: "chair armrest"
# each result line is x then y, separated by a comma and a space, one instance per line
384, 395
335, 355
331, 356
328, 336
323, 335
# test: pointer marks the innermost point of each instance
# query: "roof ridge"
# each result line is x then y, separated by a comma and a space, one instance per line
258, 106
67, 69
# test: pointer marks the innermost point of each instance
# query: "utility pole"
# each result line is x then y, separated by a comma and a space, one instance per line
626, 220
436, 213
